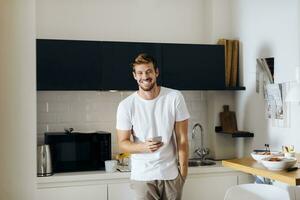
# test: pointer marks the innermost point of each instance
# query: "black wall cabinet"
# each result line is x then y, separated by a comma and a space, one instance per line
95, 65
116, 63
193, 67
68, 65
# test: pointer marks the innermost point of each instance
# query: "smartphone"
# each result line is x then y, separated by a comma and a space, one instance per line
156, 139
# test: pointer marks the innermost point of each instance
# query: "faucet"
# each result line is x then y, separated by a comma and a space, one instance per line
200, 151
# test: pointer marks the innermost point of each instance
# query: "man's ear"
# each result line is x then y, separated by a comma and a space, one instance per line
157, 72
134, 75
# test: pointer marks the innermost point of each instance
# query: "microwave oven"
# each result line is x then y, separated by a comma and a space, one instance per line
74, 151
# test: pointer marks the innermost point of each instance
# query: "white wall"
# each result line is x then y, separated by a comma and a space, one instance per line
218, 22
118, 20
17, 101
268, 28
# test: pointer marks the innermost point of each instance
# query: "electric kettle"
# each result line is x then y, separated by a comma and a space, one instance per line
44, 165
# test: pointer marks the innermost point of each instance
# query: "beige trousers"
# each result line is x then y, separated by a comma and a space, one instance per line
158, 189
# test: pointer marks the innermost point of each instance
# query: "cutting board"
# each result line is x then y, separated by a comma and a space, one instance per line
234, 63
228, 54
228, 120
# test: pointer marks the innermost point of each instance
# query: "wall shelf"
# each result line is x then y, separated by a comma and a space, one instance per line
236, 88
235, 134
225, 88
222, 89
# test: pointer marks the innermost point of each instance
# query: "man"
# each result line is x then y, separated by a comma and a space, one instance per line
150, 112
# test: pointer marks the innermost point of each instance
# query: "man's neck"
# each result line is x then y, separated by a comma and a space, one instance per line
148, 95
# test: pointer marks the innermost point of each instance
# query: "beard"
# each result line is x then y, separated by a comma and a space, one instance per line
148, 88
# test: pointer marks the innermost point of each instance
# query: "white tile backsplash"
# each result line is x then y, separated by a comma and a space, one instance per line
46, 118
42, 107
95, 110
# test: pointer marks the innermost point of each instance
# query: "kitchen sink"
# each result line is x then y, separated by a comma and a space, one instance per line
194, 162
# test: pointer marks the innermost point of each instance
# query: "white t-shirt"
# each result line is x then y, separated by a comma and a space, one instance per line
150, 118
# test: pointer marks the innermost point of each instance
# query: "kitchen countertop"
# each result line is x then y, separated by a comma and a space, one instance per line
102, 176
249, 165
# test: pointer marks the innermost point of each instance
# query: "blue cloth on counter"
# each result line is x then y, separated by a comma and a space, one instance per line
262, 180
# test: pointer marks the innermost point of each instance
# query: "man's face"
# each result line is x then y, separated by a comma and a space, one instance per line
145, 75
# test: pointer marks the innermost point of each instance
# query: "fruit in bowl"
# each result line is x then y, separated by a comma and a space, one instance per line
276, 163
258, 156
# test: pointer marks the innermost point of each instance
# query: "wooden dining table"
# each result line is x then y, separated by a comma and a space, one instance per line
251, 166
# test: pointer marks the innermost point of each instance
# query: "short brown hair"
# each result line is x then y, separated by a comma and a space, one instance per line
144, 58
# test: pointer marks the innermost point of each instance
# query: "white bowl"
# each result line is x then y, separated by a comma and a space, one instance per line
279, 163
258, 156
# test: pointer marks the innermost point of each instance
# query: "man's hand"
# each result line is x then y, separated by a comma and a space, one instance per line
126, 145
152, 146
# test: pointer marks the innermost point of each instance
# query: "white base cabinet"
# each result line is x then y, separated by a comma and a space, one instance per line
88, 192
208, 183
195, 188
210, 188
120, 191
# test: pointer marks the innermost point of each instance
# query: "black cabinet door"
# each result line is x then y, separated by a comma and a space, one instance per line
193, 67
68, 65
116, 63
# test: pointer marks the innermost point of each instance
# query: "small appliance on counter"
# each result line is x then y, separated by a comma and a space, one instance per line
124, 162
78, 151
44, 165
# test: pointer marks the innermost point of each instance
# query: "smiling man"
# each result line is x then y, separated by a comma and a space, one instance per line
150, 113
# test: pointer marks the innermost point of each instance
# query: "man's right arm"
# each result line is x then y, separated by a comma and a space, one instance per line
126, 145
